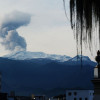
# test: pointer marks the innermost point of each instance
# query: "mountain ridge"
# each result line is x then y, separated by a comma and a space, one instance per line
43, 75
26, 55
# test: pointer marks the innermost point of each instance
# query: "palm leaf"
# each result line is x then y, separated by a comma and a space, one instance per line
85, 19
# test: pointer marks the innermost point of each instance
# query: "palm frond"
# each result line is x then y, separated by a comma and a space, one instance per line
85, 19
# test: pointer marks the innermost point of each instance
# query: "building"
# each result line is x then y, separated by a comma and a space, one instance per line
96, 80
3, 96
22, 98
39, 97
79, 94
59, 97
33, 97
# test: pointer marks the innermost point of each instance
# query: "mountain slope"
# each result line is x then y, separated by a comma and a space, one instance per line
40, 76
78, 58
24, 55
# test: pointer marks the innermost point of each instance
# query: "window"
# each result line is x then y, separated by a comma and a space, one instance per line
75, 93
75, 99
69, 93
80, 98
86, 98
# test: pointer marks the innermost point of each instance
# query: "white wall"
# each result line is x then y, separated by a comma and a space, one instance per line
79, 94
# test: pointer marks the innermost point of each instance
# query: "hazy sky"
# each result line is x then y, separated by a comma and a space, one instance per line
49, 30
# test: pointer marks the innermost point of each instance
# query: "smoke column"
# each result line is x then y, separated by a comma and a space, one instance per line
11, 39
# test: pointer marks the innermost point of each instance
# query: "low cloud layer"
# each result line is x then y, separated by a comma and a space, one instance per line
11, 39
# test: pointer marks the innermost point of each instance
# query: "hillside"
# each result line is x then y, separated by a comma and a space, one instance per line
42, 75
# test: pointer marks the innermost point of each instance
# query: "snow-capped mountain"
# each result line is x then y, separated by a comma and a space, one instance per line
78, 58
35, 75
23, 55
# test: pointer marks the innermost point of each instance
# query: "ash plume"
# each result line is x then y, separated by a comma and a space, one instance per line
11, 39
